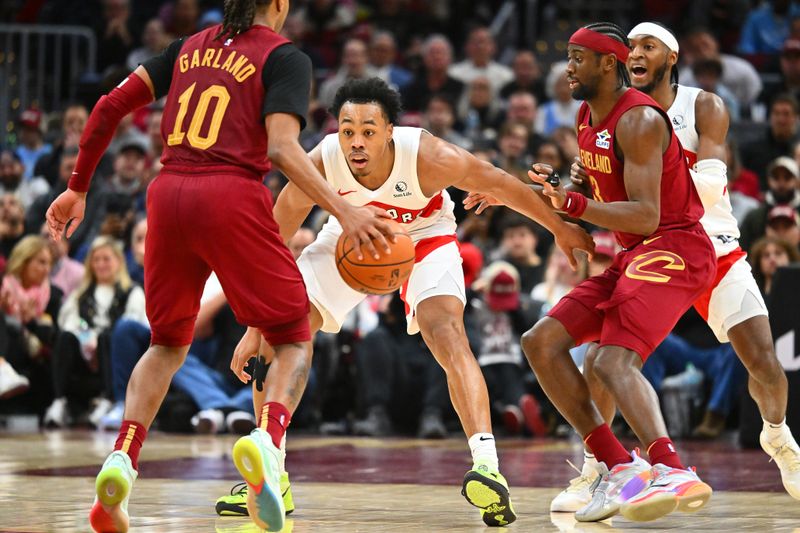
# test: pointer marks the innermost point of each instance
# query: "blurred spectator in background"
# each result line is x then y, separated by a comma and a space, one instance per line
439, 120
479, 111
12, 223
210, 18
354, 66
604, 252
383, 57
66, 273
522, 109
154, 40
302, 238
708, 76
434, 80
783, 177
777, 140
527, 77
559, 278
783, 222
12, 182
134, 256
789, 82
156, 145
480, 50
518, 248
401, 383
115, 33
561, 109
129, 172
513, 156
180, 17
767, 26
550, 153
81, 366
325, 22
737, 74
743, 185
31, 145
766, 256
73, 121
567, 140
503, 315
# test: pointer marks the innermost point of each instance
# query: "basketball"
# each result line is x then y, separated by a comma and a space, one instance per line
376, 276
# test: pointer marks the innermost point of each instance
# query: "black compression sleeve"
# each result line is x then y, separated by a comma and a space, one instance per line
160, 67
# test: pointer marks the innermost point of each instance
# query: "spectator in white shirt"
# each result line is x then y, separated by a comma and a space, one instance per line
479, 63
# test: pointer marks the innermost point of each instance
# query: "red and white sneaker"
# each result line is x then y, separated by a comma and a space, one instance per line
669, 489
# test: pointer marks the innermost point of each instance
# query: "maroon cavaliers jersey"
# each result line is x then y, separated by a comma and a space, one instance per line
213, 120
680, 204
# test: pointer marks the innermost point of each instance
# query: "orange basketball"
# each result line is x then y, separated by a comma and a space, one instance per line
376, 276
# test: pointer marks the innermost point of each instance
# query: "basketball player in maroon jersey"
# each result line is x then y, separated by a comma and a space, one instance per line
642, 191
236, 98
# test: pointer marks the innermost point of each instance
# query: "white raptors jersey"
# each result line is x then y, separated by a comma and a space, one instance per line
718, 220
400, 195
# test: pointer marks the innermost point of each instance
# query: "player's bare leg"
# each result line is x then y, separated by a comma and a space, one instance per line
146, 390
752, 341
441, 322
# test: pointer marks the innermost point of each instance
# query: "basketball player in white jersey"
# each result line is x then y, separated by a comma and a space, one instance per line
733, 306
405, 171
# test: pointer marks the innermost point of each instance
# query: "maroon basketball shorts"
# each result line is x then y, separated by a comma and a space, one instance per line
637, 301
204, 222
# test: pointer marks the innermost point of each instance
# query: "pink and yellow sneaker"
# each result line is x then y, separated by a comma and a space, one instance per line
669, 489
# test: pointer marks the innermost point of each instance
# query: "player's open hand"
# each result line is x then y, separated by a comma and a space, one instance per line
363, 224
577, 172
69, 205
572, 237
482, 200
539, 175
246, 349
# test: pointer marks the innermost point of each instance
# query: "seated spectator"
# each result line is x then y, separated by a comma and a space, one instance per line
354, 66
180, 17
66, 273
11, 180
31, 145
779, 138
12, 223
154, 40
767, 27
783, 177
479, 111
503, 315
512, 156
399, 378
567, 140
562, 108
325, 22
549, 153
783, 222
439, 119
80, 355
115, 33
527, 77
30, 304
73, 122
766, 256
383, 59
739, 76
708, 76
156, 147
480, 50
559, 279
129, 173
743, 183
518, 248
434, 80
522, 109
134, 256
789, 82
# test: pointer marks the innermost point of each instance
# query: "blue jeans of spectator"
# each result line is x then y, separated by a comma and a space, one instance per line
207, 387
720, 365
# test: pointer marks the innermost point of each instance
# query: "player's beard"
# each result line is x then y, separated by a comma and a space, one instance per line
657, 77
587, 90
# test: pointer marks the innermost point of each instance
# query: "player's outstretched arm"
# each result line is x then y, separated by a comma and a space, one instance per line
710, 173
134, 92
442, 164
362, 224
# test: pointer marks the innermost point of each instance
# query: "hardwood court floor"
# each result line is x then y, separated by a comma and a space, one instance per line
355, 485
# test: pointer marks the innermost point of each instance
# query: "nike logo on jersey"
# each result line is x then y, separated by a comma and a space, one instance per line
344, 193
648, 241
582, 127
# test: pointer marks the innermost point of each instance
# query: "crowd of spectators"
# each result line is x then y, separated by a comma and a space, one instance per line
73, 323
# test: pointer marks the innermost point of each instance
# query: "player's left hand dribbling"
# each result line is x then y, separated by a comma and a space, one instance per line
572, 237
539, 174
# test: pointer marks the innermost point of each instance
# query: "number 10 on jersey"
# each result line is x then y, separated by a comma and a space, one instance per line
194, 135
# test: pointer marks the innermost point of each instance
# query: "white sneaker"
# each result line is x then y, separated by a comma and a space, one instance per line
113, 419
113, 489
615, 487
101, 408
208, 421
579, 492
787, 456
259, 462
240, 422
56, 415
11, 383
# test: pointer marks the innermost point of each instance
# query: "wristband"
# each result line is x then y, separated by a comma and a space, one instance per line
575, 204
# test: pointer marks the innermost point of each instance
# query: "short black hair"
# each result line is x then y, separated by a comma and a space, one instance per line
369, 91
514, 221
615, 32
785, 98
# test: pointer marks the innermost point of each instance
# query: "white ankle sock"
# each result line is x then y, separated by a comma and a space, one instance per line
777, 434
589, 459
483, 450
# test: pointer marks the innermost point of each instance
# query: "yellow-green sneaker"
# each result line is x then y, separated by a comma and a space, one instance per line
236, 503
488, 491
